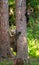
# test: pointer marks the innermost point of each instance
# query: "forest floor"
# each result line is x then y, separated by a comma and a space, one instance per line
33, 61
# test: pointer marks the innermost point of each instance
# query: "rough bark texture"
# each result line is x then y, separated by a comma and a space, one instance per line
22, 48
4, 25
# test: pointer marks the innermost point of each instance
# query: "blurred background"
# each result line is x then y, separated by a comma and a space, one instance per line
32, 17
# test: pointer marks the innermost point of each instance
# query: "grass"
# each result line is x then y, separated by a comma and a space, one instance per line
6, 63
35, 63
11, 63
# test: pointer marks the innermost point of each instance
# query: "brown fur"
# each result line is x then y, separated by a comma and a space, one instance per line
18, 61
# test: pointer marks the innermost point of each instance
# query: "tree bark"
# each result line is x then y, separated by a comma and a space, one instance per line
4, 25
22, 47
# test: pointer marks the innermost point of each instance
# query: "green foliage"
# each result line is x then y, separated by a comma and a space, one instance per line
31, 4
12, 12
34, 6
33, 40
6, 63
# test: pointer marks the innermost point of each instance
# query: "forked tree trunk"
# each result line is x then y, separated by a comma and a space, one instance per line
22, 47
4, 25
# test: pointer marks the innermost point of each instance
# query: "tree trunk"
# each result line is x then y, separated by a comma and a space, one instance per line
22, 47
4, 25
